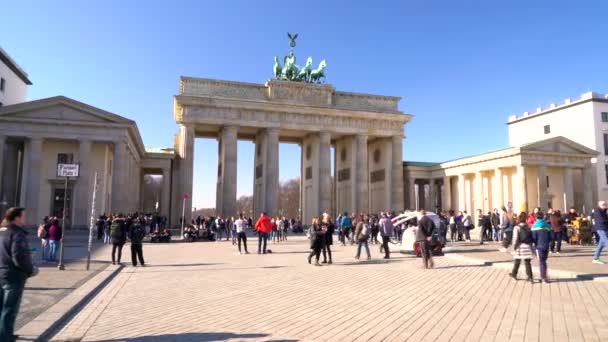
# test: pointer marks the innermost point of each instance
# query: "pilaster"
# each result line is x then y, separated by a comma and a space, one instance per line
397, 197
32, 190
324, 165
362, 182
84, 189
227, 172
568, 189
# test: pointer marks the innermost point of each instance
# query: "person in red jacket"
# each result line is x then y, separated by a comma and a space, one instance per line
264, 227
532, 217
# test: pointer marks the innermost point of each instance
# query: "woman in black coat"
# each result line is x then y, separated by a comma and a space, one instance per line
327, 226
317, 241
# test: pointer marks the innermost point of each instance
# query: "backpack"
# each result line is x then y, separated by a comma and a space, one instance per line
137, 233
524, 236
41, 232
365, 231
116, 231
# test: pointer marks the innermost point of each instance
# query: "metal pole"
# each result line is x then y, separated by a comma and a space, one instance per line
183, 216
65, 203
92, 222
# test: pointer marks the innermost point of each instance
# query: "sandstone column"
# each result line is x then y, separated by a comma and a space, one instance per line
412, 195
432, 196
119, 177
362, 184
461, 193
542, 187
186, 167
497, 189
84, 186
520, 187
447, 194
32, 187
325, 190
479, 197
568, 189
226, 180
588, 188
272, 171
165, 205
397, 197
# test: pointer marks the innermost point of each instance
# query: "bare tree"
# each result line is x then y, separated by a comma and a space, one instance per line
289, 198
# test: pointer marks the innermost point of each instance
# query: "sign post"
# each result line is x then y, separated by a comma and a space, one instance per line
67, 171
185, 197
91, 223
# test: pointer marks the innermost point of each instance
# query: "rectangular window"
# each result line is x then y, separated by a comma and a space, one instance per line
606, 170
606, 144
548, 185
604, 116
2, 84
65, 158
547, 129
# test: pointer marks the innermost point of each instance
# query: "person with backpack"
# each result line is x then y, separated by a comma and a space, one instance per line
317, 240
240, 225
347, 225
136, 235
600, 223
541, 238
118, 232
361, 235
522, 247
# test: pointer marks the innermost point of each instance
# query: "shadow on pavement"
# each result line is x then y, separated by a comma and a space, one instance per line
463, 266
211, 336
184, 265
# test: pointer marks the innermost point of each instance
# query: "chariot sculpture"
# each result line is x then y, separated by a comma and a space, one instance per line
290, 71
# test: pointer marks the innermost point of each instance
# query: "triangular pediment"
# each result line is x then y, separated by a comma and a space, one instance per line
558, 145
60, 109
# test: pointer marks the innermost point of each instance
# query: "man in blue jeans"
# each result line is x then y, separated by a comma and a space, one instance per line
601, 226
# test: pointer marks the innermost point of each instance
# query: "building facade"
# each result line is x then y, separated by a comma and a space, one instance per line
583, 120
13, 81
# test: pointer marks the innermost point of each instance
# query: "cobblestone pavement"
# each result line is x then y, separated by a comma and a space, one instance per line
206, 292
51, 284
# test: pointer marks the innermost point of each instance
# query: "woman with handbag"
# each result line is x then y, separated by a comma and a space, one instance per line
522, 247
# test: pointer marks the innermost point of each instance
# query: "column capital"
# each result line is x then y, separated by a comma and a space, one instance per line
397, 138
325, 136
230, 128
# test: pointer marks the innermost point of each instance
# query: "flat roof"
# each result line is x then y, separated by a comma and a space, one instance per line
11, 64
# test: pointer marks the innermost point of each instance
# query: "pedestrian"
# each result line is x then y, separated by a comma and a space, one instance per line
317, 240
55, 236
507, 229
424, 234
361, 235
541, 237
386, 231
375, 225
459, 225
522, 247
118, 230
556, 231
15, 267
600, 219
99, 226
453, 227
107, 239
328, 226
347, 226
240, 232
136, 235
467, 224
43, 235
263, 227
495, 220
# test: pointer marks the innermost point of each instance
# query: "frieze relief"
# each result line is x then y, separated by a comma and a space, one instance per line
246, 117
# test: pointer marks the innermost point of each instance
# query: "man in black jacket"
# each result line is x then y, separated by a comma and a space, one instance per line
15, 267
424, 234
136, 234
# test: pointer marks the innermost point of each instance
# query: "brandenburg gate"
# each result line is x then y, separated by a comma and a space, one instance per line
366, 131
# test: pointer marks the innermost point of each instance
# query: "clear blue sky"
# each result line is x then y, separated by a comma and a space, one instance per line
461, 67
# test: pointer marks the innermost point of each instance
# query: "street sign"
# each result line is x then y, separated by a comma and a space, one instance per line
68, 170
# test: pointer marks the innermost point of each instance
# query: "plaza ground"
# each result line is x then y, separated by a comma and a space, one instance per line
206, 292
